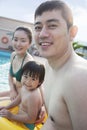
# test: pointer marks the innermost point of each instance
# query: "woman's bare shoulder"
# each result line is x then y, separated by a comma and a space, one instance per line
28, 58
13, 54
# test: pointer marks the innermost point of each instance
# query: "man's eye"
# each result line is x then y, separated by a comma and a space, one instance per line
52, 26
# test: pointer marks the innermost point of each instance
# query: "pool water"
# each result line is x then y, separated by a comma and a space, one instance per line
4, 60
4, 70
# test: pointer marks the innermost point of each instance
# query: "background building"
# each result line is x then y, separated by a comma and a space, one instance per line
7, 27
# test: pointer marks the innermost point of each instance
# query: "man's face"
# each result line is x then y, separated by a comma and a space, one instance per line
51, 34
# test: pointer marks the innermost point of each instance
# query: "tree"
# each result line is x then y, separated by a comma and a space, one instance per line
77, 46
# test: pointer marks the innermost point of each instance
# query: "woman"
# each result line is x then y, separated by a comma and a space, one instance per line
22, 38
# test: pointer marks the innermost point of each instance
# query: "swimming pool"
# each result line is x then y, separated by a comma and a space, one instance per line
4, 70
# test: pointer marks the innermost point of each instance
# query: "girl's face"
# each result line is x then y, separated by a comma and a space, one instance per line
30, 82
20, 42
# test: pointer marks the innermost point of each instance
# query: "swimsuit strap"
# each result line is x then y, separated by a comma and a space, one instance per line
23, 60
13, 59
17, 75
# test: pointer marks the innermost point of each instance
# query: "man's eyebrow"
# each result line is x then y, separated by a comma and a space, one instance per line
52, 20
48, 21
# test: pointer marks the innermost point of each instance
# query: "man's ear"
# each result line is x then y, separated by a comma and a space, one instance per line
73, 31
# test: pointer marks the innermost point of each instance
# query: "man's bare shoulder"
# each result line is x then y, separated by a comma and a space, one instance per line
75, 92
75, 77
75, 82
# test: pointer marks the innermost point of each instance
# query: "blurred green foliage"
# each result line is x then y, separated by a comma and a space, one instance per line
77, 46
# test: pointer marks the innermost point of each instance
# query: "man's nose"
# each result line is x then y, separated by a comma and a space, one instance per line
44, 32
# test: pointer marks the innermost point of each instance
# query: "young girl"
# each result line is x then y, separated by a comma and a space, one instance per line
30, 98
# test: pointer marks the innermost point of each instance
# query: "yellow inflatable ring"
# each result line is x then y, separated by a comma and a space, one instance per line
6, 124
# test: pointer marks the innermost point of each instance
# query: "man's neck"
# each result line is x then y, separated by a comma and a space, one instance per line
57, 63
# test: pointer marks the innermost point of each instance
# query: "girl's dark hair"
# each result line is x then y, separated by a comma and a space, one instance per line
34, 69
26, 30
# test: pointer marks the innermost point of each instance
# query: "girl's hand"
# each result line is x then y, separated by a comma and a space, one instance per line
2, 107
41, 115
6, 113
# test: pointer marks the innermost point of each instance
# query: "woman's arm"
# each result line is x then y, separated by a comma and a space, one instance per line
14, 103
12, 82
13, 91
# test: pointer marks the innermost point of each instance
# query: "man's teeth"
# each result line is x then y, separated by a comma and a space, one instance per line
45, 44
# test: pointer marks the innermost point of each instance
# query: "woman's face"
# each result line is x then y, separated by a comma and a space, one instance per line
20, 42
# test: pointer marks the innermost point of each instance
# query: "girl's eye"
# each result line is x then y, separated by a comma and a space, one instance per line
15, 39
34, 79
37, 28
25, 76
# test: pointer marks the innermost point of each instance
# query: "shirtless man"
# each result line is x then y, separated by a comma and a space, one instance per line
66, 72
